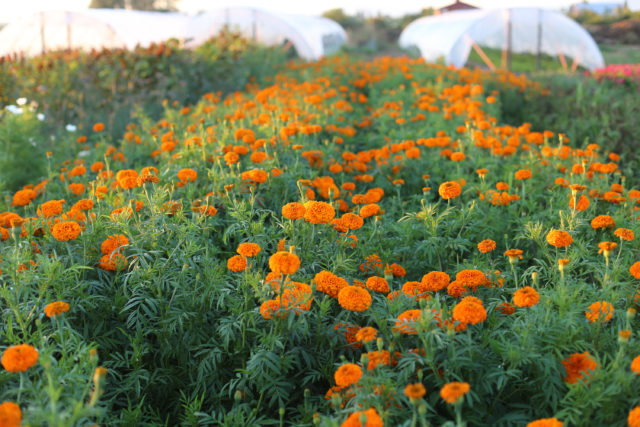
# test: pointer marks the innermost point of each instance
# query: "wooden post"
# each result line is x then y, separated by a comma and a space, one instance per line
576, 60
480, 52
539, 46
509, 41
563, 61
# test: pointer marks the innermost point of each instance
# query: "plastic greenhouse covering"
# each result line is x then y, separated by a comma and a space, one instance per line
450, 36
92, 28
312, 37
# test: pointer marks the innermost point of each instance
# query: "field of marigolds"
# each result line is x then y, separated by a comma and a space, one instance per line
344, 243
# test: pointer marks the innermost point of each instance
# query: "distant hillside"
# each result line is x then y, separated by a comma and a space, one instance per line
622, 32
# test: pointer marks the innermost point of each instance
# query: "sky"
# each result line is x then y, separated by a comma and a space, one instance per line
10, 9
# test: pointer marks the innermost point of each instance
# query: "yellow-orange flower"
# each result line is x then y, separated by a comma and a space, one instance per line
406, 322
469, 311
318, 212
373, 419
435, 280
377, 284
624, 234
66, 230
329, 283
284, 262
635, 269
10, 414
453, 391
55, 308
248, 249
354, 298
595, 310
559, 238
602, 221
449, 190
633, 420
187, 175
113, 242
513, 254
546, 422
486, 245
347, 374
526, 297
237, 263
578, 365
366, 334
19, 358
415, 391
293, 210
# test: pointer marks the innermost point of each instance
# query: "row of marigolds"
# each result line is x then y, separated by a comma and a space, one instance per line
343, 231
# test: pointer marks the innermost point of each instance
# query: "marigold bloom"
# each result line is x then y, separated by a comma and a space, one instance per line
318, 212
98, 127
237, 263
449, 190
113, 242
352, 221
256, 175
347, 374
546, 422
187, 175
373, 419
624, 234
113, 262
55, 308
526, 297
436, 280
469, 311
329, 283
406, 322
578, 366
248, 249
293, 210
472, 278
19, 358
376, 358
377, 284
635, 365
453, 391
23, 197
559, 238
513, 254
66, 230
602, 221
369, 210
415, 290
486, 245
10, 414
599, 308
635, 269
354, 298
83, 205
284, 263
523, 174
51, 208
415, 391
633, 420
506, 308
583, 203
606, 247
366, 334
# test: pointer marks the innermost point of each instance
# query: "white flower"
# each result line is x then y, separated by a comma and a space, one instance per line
40, 116
21, 101
83, 153
71, 128
14, 109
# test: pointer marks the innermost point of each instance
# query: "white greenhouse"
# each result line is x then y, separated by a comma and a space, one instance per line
312, 37
451, 36
90, 29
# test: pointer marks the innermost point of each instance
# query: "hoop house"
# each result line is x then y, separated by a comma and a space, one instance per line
312, 37
522, 30
93, 28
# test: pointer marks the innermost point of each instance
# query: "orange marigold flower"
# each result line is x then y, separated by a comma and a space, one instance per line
602, 221
526, 297
76, 188
624, 234
256, 175
284, 262
453, 391
469, 311
583, 203
376, 358
415, 391
23, 197
377, 284
66, 230
635, 365
635, 269
329, 283
98, 127
248, 249
10, 414
19, 358
416, 290
502, 186
449, 190
366, 334
472, 278
347, 374
606, 247
293, 210
406, 322
633, 420
513, 254
113, 262
486, 245
354, 298
55, 308
578, 366
187, 175
506, 308
373, 419
599, 308
369, 210
318, 212
559, 238
546, 422
83, 205
237, 263
51, 208
352, 221
113, 243
435, 280
523, 174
